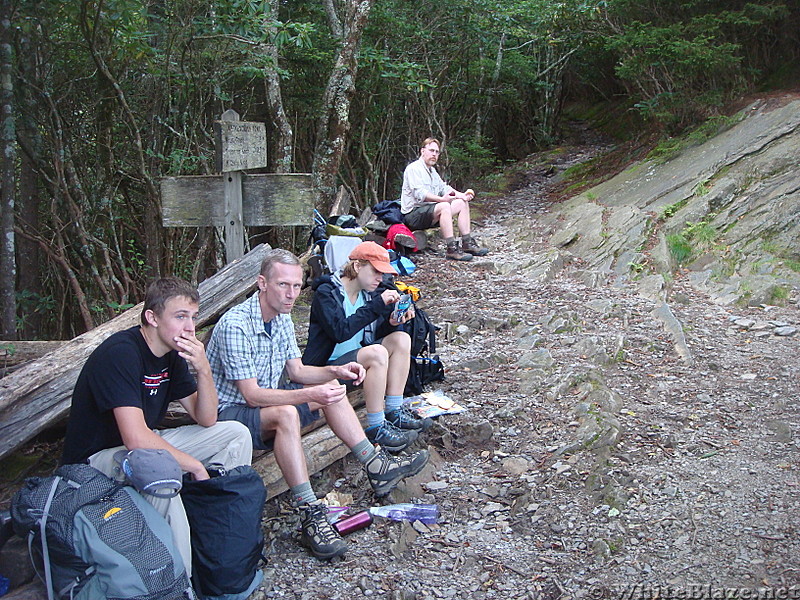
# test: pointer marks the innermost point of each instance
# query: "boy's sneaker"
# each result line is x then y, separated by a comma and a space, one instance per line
385, 471
390, 437
405, 418
317, 534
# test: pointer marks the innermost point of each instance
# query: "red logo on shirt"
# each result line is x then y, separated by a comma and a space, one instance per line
152, 382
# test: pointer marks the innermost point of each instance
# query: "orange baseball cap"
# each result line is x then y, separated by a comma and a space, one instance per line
377, 256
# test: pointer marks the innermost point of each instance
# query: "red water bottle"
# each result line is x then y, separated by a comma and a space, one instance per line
358, 521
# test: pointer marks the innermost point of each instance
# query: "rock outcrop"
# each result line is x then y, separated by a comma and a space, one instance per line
727, 209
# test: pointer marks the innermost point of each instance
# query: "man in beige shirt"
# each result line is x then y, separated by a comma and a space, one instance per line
427, 200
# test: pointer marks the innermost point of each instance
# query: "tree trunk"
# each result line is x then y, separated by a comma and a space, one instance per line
334, 122
8, 269
284, 146
30, 278
29, 136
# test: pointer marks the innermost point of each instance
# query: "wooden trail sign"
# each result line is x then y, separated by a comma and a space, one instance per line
268, 199
239, 145
235, 199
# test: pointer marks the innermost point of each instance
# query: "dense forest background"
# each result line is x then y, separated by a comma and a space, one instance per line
101, 98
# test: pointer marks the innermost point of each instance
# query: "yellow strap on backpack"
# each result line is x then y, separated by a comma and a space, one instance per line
412, 291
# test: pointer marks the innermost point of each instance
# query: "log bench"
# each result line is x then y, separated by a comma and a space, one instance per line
320, 445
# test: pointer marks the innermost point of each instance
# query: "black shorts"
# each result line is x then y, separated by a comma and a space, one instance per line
420, 217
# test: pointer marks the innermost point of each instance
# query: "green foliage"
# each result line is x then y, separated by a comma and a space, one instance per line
770, 246
683, 60
782, 255
471, 159
672, 146
701, 232
583, 175
670, 210
692, 239
115, 307
779, 294
637, 267
136, 258
794, 265
31, 304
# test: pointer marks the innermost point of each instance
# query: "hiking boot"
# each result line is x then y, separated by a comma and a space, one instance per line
385, 471
405, 240
471, 246
317, 534
405, 418
453, 253
390, 437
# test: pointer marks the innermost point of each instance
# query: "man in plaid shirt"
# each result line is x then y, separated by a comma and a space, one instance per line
263, 383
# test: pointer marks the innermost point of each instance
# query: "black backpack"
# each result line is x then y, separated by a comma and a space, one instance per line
425, 367
227, 542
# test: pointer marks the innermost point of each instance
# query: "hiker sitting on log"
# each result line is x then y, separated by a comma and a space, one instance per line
427, 200
263, 383
125, 387
353, 321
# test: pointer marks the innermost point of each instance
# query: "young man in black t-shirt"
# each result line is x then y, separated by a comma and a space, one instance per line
126, 385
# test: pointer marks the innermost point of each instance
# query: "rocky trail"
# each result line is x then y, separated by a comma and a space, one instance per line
602, 453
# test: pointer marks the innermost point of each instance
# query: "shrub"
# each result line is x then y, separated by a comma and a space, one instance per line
680, 248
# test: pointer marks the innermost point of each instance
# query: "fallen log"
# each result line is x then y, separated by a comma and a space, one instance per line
39, 394
15, 354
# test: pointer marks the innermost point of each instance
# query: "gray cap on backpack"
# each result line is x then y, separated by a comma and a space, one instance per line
151, 471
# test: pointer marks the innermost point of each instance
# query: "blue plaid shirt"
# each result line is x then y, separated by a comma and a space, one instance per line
241, 349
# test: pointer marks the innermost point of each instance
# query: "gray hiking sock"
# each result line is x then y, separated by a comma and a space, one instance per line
466, 237
449, 241
363, 451
303, 494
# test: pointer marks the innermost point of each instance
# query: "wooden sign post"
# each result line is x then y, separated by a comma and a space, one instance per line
237, 199
239, 145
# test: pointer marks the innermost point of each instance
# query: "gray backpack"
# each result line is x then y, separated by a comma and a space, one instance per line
97, 539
